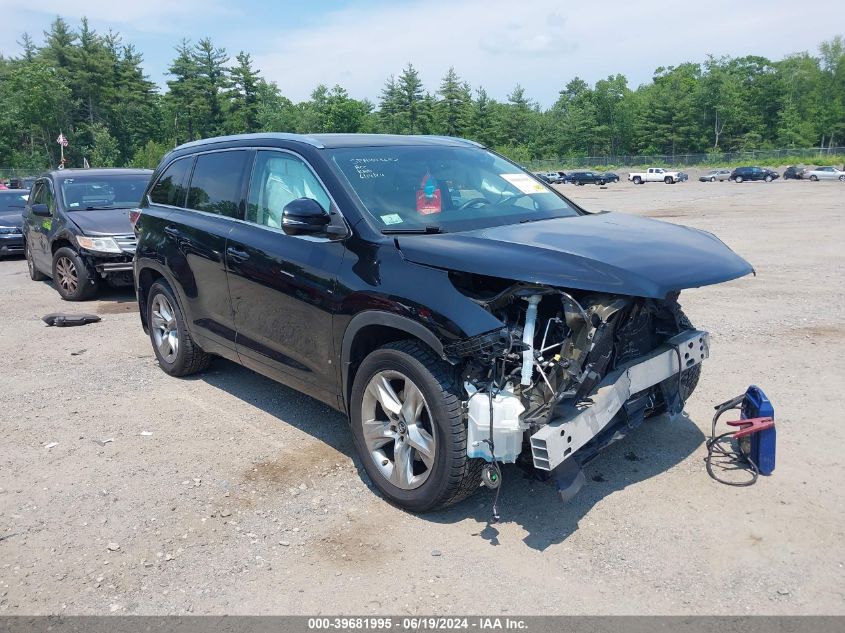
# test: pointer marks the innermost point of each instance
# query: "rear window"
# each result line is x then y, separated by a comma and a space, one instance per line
217, 183
170, 188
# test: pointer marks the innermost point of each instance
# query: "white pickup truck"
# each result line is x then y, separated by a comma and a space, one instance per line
657, 174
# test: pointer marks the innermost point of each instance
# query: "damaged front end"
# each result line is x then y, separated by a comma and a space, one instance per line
569, 372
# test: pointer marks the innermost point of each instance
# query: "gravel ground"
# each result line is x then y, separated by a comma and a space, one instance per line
228, 493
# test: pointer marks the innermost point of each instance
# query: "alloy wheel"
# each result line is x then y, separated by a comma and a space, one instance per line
398, 429
165, 328
68, 277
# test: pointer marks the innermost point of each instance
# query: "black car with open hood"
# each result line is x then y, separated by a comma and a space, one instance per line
77, 228
461, 311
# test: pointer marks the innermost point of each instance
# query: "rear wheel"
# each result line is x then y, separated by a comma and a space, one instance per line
712, 178
814, 178
175, 350
408, 428
738, 178
34, 273
71, 276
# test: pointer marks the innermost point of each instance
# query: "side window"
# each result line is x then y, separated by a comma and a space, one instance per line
217, 183
170, 188
37, 196
278, 179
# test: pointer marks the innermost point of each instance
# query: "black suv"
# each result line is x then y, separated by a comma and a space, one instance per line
459, 310
77, 230
753, 173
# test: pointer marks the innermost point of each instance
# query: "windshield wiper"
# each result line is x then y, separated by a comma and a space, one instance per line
430, 229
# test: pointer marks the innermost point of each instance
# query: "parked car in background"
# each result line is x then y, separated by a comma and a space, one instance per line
77, 230
741, 174
12, 204
554, 177
609, 176
715, 174
343, 266
564, 177
657, 174
586, 178
543, 176
794, 172
22, 183
825, 173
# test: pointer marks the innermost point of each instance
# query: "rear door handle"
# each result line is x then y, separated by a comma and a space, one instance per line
236, 254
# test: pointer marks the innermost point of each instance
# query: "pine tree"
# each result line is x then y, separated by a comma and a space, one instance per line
454, 108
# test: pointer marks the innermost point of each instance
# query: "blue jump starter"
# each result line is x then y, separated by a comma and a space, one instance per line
763, 443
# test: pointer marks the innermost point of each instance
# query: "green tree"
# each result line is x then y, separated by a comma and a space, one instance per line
455, 106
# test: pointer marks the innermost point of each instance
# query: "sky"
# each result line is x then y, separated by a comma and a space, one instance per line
539, 44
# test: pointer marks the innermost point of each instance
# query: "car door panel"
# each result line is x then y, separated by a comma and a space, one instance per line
282, 286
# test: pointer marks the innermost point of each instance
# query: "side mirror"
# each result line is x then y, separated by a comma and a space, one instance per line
41, 210
305, 216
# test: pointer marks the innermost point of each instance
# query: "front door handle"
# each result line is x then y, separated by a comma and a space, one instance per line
237, 255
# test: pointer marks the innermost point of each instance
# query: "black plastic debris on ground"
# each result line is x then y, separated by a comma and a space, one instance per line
69, 320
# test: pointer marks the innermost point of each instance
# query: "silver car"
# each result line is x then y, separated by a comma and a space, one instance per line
825, 173
716, 174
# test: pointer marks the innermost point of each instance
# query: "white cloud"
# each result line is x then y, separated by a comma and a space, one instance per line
540, 44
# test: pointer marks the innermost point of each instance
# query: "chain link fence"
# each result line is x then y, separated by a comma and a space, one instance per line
770, 157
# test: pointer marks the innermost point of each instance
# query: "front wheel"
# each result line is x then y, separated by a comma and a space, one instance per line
72, 277
408, 428
842, 178
668, 180
175, 350
713, 179
814, 178
768, 179
638, 180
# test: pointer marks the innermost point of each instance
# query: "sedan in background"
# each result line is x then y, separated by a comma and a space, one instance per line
741, 174
794, 172
715, 174
609, 176
825, 173
12, 204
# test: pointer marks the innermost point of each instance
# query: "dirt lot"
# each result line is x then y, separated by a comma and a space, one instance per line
228, 493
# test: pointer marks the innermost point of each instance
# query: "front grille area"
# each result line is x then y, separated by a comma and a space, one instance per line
127, 243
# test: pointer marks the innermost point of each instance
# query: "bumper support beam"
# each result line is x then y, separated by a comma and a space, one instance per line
577, 425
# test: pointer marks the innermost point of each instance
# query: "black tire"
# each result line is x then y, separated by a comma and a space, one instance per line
712, 178
34, 273
768, 179
638, 180
841, 178
668, 180
189, 358
72, 277
814, 178
453, 476
738, 179
601, 183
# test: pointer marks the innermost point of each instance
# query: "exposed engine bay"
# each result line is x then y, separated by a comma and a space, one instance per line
569, 372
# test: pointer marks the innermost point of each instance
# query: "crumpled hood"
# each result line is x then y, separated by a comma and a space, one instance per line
604, 252
102, 221
11, 218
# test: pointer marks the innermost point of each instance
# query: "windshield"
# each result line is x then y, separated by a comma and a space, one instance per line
13, 200
445, 188
119, 191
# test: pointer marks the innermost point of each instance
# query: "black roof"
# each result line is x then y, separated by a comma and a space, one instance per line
104, 171
323, 141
